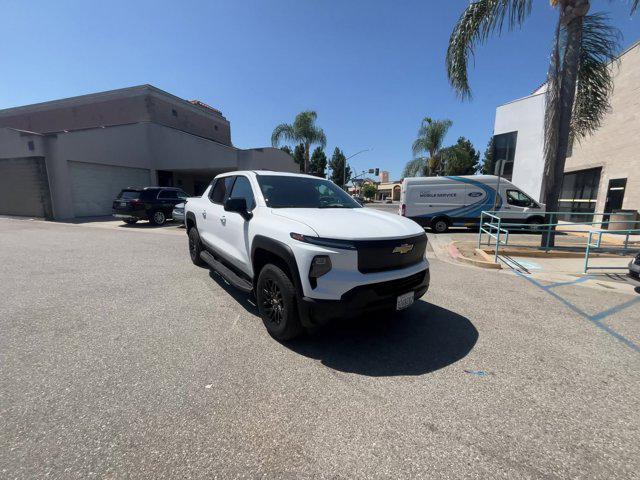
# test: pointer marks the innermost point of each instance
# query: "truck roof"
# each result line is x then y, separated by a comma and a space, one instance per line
266, 172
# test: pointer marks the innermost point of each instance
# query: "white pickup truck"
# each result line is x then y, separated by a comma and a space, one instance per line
308, 251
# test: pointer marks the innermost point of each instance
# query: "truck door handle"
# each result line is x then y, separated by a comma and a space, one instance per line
204, 214
223, 220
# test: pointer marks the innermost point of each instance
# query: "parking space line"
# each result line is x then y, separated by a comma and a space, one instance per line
594, 319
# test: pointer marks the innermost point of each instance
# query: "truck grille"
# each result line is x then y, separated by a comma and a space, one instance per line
383, 255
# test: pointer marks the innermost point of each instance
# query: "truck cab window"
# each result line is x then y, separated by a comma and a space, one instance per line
519, 199
242, 189
221, 189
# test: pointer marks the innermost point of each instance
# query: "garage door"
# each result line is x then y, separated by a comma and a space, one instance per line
24, 188
95, 186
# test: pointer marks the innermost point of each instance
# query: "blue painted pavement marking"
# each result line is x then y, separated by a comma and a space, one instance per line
594, 319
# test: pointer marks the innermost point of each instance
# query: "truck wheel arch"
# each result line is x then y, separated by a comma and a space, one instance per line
266, 250
190, 221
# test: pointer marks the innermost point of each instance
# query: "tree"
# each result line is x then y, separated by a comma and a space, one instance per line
338, 170
579, 79
369, 190
298, 156
461, 158
430, 137
414, 167
318, 163
303, 130
287, 149
488, 162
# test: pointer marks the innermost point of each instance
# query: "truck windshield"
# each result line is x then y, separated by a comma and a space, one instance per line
282, 191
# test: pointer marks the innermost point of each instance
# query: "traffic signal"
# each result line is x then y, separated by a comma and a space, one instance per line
377, 172
371, 170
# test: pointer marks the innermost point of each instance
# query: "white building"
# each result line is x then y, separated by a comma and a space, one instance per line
602, 171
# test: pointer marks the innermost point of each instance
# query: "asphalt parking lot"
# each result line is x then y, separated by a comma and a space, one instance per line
120, 359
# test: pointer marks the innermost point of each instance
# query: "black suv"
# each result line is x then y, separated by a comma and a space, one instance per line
149, 203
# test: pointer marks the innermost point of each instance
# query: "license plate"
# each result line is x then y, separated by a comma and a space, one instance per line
404, 301
123, 204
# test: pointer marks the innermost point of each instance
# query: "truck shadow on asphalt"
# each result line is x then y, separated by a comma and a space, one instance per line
420, 340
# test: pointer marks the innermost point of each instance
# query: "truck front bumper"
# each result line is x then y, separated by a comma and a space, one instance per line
363, 298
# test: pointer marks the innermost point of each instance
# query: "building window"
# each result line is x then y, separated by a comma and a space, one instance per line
504, 148
215, 127
579, 194
173, 112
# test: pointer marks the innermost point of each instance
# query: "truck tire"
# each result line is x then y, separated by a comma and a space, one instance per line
195, 247
276, 297
157, 217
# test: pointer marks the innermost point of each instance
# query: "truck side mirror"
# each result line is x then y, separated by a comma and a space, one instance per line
238, 205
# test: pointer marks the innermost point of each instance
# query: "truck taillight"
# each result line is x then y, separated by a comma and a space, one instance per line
403, 209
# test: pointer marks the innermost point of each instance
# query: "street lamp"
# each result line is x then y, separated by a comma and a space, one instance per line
344, 167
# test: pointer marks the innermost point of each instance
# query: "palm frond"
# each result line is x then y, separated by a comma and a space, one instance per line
319, 138
479, 20
634, 6
431, 134
414, 167
600, 44
284, 131
419, 146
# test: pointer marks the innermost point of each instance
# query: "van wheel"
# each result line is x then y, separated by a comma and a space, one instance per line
440, 225
534, 224
276, 297
195, 247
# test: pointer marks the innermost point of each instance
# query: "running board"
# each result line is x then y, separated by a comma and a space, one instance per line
226, 273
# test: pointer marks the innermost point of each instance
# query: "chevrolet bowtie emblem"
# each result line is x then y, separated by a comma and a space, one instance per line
406, 248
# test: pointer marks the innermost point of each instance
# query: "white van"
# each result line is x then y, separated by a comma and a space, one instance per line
443, 202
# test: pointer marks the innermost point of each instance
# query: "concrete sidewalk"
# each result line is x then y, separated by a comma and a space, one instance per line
552, 270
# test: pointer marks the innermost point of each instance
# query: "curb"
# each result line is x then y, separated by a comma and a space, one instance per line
456, 255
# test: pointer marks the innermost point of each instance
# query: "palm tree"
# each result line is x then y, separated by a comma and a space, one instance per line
579, 80
430, 137
303, 130
414, 167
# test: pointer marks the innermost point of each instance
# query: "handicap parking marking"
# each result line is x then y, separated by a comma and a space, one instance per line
529, 265
596, 319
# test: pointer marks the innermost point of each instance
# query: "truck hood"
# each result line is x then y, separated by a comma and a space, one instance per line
352, 223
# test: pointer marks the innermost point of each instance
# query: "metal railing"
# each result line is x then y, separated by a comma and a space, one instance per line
495, 226
489, 228
598, 245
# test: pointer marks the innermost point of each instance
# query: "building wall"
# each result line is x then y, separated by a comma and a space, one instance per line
615, 146
267, 158
526, 116
143, 103
173, 149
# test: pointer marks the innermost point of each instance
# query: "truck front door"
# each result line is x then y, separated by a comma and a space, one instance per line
234, 229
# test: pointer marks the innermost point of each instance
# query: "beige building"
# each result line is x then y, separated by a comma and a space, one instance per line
389, 190
614, 150
602, 172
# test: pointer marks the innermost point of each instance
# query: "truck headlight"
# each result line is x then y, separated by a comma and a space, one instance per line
320, 265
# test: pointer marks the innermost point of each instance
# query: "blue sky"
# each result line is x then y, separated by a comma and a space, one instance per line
371, 69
